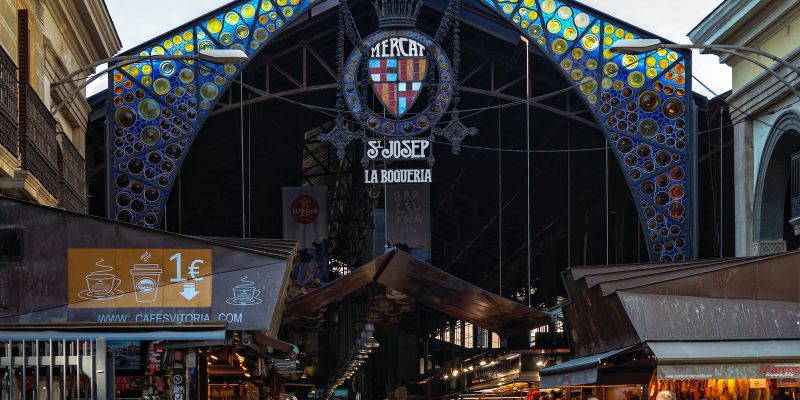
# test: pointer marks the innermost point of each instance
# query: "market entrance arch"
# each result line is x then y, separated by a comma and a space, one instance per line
642, 104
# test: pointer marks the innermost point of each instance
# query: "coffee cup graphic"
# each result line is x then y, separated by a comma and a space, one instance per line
146, 279
101, 284
245, 293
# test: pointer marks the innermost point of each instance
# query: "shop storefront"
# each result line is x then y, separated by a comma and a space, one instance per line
96, 309
715, 330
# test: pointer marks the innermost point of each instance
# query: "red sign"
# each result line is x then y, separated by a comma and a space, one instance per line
305, 209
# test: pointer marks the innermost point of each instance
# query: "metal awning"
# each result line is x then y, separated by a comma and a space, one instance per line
578, 371
742, 359
109, 335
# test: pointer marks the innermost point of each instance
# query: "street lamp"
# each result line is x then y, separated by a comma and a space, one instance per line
216, 56
639, 46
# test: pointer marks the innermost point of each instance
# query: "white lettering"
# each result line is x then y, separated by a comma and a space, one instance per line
397, 149
397, 47
398, 176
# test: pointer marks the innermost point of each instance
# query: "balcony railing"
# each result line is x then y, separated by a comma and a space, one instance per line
38, 145
8, 103
72, 177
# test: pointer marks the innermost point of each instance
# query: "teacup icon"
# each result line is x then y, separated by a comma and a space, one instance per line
245, 294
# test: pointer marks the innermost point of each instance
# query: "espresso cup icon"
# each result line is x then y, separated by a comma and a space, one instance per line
100, 284
145, 281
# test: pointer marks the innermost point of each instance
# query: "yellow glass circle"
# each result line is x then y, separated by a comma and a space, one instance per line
508, 8
126, 67
576, 74
566, 63
214, 26
147, 69
673, 56
168, 44
178, 39
530, 3
231, 18
650, 61
188, 35
189, 47
524, 24
533, 15
542, 41
652, 73
577, 53
607, 54
287, 12
296, 2
611, 69
201, 34
596, 29
157, 51
248, 11
589, 85
609, 29
266, 6
618, 85
663, 63
570, 33
147, 80
619, 33
608, 41
662, 52
219, 80
262, 19
554, 26
606, 83
630, 61
628, 35
591, 64
548, 6
592, 99
282, 3
134, 71
559, 46
144, 53
590, 42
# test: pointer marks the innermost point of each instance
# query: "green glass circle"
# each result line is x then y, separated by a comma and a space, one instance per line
226, 38
149, 109
209, 91
161, 86
186, 75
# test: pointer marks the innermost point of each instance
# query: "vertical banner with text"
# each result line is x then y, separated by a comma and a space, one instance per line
408, 219
305, 219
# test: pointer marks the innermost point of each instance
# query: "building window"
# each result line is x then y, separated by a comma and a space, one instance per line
495, 341
468, 339
457, 331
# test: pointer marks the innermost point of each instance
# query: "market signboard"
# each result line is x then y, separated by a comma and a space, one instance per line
786, 371
167, 286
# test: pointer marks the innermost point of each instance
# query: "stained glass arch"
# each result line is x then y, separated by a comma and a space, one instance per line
642, 104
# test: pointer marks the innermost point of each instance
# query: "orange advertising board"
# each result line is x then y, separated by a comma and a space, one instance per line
139, 278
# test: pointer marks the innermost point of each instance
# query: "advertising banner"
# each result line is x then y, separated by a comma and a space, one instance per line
166, 285
305, 219
408, 219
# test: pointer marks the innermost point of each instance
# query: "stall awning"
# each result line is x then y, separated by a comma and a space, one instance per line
213, 330
743, 359
578, 371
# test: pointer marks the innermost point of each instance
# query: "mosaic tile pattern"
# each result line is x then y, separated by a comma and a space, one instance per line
641, 102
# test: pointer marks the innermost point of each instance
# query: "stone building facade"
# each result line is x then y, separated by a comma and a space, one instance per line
766, 117
41, 42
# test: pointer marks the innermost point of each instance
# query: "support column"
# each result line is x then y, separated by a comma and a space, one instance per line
744, 186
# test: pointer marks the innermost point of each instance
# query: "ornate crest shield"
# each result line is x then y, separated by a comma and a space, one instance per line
397, 81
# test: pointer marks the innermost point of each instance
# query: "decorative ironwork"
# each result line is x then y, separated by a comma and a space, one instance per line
455, 131
39, 148
72, 177
340, 136
640, 102
8, 103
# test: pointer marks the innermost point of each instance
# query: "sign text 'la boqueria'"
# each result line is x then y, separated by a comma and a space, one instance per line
398, 176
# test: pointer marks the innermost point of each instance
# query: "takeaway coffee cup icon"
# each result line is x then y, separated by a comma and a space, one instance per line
145, 280
245, 293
